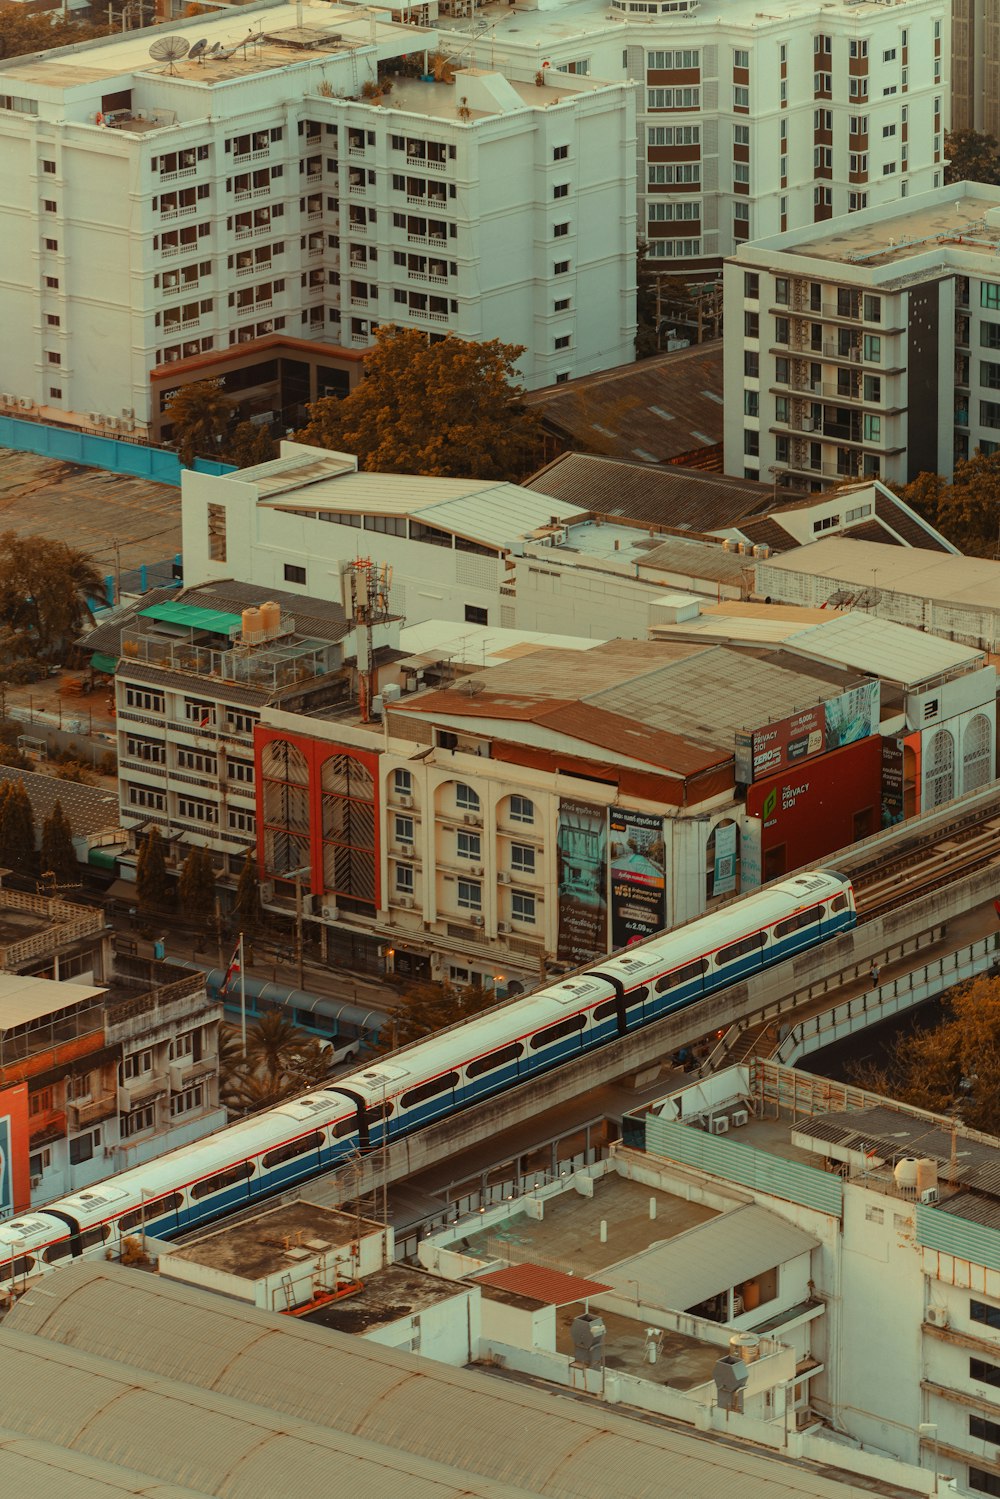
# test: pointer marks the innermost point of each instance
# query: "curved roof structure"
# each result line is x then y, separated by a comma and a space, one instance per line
105, 1361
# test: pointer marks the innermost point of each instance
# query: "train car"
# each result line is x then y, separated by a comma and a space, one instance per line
430, 1079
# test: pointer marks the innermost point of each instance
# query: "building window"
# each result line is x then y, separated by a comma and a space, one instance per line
403, 829
560, 153
142, 796
522, 858
559, 231
751, 364
981, 1311
741, 58
138, 1121
216, 532
561, 190
522, 809
55, 392
562, 342
751, 403
197, 810
751, 444
187, 1101
872, 428
40, 1102
560, 268
404, 879
82, 1148
475, 615
979, 1479
49, 167
872, 348
466, 799
200, 712
859, 47
294, 573
751, 285
402, 782
522, 906
470, 895
137, 1064
751, 325
242, 822
54, 358
741, 96
469, 846
52, 282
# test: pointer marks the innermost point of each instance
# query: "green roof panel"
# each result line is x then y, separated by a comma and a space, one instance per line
193, 618
100, 662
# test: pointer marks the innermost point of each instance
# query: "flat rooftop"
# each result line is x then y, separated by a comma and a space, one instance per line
568, 1237
389, 1295
273, 1241
885, 239
24, 998
972, 581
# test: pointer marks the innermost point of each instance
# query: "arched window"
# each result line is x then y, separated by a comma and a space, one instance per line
976, 752
940, 781
286, 807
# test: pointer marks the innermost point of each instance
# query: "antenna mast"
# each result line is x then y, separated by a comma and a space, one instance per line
370, 582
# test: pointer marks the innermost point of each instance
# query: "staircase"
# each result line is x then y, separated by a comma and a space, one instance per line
753, 1041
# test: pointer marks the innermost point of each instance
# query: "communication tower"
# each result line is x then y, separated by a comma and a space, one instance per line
370, 583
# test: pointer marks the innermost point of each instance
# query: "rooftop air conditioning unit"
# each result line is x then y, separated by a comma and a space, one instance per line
762, 553
930, 1195
503, 878
720, 1126
25, 403
96, 418
938, 1316
477, 921
738, 1118
127, 412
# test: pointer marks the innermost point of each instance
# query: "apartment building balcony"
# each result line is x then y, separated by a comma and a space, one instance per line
252, 155
425, 276
175, 176
432, 241
85, 1112
178, 213
185, 1071
833, 353
431, 317
829, 312
357, 226
424, 162
360, 338
142, 1090
816, 390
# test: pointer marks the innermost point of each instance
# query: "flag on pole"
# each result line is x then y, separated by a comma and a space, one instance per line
234, 970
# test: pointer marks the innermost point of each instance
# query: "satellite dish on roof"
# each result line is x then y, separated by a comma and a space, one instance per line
198, 48
169, 49
215, 48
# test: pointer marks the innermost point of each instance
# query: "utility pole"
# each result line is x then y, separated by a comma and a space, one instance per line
298, 926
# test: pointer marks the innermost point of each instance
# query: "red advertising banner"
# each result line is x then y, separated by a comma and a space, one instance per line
15, 1183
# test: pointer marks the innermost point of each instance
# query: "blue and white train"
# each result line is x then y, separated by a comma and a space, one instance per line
430, 1079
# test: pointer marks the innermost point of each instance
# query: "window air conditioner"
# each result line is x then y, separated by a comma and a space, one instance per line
937, 1316
477, 921
473, 819
503, 878
36, 1181
405, 801
502, 928
720, 1126
330, 912
404, 902
930, 1195
738, 1118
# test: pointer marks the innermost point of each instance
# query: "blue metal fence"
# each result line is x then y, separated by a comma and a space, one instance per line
70, 446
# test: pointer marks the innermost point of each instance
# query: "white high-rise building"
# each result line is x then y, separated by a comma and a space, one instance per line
257, 210
867, 348
752, 122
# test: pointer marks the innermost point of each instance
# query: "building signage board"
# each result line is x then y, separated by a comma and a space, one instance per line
14, 1185
892, 781
724, 862
583, 881
782, 745
638, 876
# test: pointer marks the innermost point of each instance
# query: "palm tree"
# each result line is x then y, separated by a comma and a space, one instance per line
281, 1061
274, 1045
200, 415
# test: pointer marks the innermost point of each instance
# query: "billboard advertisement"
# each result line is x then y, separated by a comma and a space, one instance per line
811, 810
724, 859
892, 781
841, 720
583, 881
638, 876
15, 1193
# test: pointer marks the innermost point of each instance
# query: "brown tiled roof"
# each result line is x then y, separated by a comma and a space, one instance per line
905, 525
539, 1283
764, 530
872, 530
678, 498
653, 410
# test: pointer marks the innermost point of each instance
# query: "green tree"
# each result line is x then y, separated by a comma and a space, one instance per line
426, 1007
58, 853
45, 589
971, 157
21, 33
967, 510
249, 445
953, 1067
17, 830
199, 415
274, 1044
196, 887
247, 906
646, 339
450, 409
152, 885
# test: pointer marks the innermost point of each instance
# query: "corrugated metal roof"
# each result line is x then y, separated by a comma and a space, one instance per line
23, 997
711, 1257
681, 498
542, 1284
198, 686
175, 612
90, 809
407, 1412
882, 648
972, 581
33, 1468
